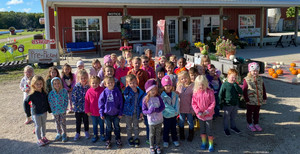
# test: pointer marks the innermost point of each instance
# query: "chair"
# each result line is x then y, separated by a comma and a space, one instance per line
67, 53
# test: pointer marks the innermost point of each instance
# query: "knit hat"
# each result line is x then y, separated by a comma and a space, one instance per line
150, 84
166, 81
79, 63
253, 66
107, 59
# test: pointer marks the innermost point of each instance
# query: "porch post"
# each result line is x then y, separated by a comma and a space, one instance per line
125, 13
296, 23
56, 32
221, 21
262, 27
180, 26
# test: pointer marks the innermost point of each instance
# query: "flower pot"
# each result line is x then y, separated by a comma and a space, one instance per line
201, 48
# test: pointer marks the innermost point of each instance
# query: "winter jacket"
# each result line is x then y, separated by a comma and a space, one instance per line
150, 71
229, 94
111, 102
101, 74
58, 100
153, 109
254, 92
129, 98
212, 85
121, 72
171, 104
91, 101
142, 77
204, 103
78, 97
36, 103
68, 84
185, 98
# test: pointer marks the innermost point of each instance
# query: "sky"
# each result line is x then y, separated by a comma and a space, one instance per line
29, 6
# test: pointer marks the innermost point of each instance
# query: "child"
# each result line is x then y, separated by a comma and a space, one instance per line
58, 100
121, 72
146, 67
185, 91
229, 99
129, 63
78, 100
205, 60
109, 71
37, 105
153, 106
162, 61
203, 104
114, 60
110, 108
200, 69
181, 66
96, 67
173, 59
127, 54
215, 84
25, 87
160, 73
53, 72
133, 109
79, 65
170, 98
91, 107
107, 62
69, 81
148, 53
254, 93
193, 72
170, 73
141, 75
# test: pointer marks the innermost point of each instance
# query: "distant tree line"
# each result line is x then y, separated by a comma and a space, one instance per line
20, 20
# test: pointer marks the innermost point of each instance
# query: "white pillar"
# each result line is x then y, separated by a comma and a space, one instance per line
56, 32
47, 24
262, 26
180, 26
221, 21
296, 23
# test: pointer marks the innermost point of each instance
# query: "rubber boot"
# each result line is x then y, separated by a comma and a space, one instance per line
211, 144
181, 133
191, 135
203, 138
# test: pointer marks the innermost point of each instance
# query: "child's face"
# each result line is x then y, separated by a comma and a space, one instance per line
129, 62
162, 62
193, 76
127, 54
169, 69
80, 67
205, 63
184, 80
149, 54
94, 84
67, 70
110, 84
56, 84
39, 85
109, 72
133, 85
254, 73
122, 63
114, 59
231, 78
180, 63
136, 64
108, 63
174, 60
145, 62
84, 80
212, 71
153, 92
160, 75
97, 65
28, 73
201, 87
200, 70
168, 88
53, 73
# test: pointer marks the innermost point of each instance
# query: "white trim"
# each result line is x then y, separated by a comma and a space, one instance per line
247, 23
47, 24
86, 17
191, 29
151, 29
168, 18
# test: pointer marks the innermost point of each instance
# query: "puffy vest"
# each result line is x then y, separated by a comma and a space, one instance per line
255, 90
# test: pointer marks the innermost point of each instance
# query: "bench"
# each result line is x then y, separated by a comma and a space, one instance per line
266, 40
290, 39
81, 46
110, 44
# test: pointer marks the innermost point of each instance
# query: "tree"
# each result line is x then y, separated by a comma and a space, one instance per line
20, 20
290, 12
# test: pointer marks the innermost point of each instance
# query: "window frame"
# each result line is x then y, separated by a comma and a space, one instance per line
247, 26
141, 36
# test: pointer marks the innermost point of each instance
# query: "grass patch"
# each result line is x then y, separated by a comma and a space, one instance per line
17, 74
3, 36
28, 45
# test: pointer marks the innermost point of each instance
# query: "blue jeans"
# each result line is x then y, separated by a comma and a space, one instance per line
170, 126
147, 126
97, 121
109, 120
189, 120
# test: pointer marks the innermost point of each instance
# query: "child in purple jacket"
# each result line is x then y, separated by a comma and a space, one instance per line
110, 109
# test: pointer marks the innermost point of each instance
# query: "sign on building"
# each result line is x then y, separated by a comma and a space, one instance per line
160, 38
114, 20
43, 55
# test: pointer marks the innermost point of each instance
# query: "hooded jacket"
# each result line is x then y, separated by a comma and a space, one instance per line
111, 102
78, 97
204, 103
171, 104
37, 103
58, 100
91, 101
129, 96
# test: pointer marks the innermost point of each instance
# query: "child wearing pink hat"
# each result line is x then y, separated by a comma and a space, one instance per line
107, 62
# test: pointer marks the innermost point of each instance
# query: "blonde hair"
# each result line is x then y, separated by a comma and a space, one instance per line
172, 57
163, 58
205, 58
136, 58
61, 85
147, 97
107, 79
120, 58
130, 77
27, 68
148, 51
33, 82
200, 80
113, 55
181, 75
81, 73
144, 57
95, 78
168, 63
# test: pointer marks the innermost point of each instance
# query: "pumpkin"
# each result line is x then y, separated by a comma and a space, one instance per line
293, 64
294, 72
298, 70
271, 70
292, 68
274, 75
279, 72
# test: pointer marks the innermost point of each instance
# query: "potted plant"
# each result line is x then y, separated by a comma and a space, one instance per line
184, 46
225, 48
12, 30
125, 48
199, 45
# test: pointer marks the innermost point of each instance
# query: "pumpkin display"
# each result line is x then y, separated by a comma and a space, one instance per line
293, 64
294, 72
274, 75
271, 70
279, 72
298, 70
292, 68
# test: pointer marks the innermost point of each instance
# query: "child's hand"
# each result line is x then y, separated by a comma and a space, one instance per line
103, 118
89, 114
120, 117
27, 90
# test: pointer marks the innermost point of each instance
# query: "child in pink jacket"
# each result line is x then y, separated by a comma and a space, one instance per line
203, 104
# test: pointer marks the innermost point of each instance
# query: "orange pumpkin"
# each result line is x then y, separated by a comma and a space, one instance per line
299, 71
271, 70
274, 75
294, 72
279, 72
292, 68
293, 64
271, 73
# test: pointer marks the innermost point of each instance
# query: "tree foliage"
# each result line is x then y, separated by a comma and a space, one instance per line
20, 20
290, 12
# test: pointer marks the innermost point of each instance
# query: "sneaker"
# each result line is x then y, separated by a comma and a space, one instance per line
87, 134
176, 143
130, 142
40, 143
64, 137
119, 143
102, 137
237, 131
45, 140
258, 128
28, 121
58, 137
95, 138
251, 127
166, 144
137, 143
152, 150
77, 136
227, 132
108, 144
148, 142
158, 150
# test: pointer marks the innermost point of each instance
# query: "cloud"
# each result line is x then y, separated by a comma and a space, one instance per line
26, 10
14, 2
29, 3
8, 7
2, 10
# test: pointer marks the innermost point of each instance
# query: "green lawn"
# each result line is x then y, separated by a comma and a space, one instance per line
18, 34
28, 45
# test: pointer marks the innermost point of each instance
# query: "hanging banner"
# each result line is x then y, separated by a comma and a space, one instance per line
160, 38
43, 56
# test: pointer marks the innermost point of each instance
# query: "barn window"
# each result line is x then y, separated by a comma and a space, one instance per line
141, 28
85, 29
246, 21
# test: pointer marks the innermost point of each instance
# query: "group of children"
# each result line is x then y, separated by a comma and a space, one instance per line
134, 89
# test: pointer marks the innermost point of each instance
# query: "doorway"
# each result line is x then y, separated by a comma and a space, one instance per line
172, 27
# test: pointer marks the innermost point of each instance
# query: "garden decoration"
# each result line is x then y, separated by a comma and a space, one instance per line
125, 48
184, 46
14, 47
126, 29
199, 45
21, 49
3, 49
10, 50
12, 30
225, 48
